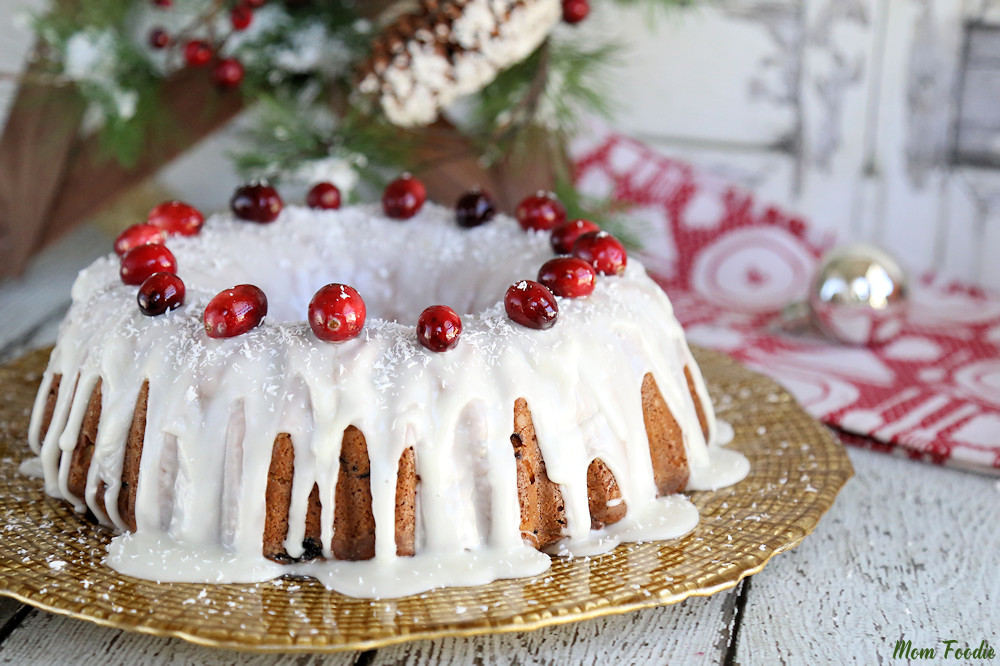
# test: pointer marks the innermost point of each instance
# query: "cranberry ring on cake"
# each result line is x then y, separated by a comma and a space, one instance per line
388, 398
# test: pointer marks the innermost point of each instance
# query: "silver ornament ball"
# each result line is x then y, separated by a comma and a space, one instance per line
860, 295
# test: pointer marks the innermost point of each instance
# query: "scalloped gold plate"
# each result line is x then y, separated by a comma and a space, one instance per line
52, 558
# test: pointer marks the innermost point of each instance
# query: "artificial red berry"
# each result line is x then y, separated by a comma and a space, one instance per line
143, 260
531, 304
256, 202
158, 38
197, 53
566, 234
602, 251
139, 234
256, 4
228, 73
324, 196
163, 4
404, 197
575, 11
337, 313
241, 16
568, 277
540, 211
176, 218
438, 328
160, 292
474, 208
235, 311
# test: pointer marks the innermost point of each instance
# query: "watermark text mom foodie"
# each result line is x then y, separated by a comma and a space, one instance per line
949, 649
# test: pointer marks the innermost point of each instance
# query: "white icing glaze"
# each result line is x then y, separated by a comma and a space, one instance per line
216, 406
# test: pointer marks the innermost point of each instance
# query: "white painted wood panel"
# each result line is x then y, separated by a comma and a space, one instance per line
43, 291
870, 127
44, 333
44, 638
973, 194
719, 73
768, 173
978, 123
962, 245
908, 550
8, 608
696, 631
840, 42
920, 66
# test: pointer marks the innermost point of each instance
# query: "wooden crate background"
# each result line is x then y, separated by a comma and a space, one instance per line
878, 119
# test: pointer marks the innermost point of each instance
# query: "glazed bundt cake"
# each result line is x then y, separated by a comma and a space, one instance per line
382, 446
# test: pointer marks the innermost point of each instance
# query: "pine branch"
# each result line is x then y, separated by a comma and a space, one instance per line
555, 88
285, 134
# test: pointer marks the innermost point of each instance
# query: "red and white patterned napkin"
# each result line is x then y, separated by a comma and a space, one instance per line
730, 264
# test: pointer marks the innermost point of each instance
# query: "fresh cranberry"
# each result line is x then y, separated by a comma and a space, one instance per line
404, 197
197, 53
176, 217
256, 202
235, 311
139, 234
158, 38
228, 73
474, 208
241, 16
324, 196
566, 234
337, 313
160, 292
438, 328
602, 251
531, 304
575, 11
540, 211
568, 277
143, 260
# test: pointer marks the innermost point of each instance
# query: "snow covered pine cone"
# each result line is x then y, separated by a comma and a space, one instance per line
424, 60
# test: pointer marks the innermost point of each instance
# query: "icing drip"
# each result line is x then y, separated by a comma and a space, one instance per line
216, 406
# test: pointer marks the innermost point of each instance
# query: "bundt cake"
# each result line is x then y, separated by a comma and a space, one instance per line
413, 451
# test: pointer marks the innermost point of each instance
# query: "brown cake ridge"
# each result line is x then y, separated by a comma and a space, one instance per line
542, 509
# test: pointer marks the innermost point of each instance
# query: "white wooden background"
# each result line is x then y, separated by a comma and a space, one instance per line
877, 119
847, 110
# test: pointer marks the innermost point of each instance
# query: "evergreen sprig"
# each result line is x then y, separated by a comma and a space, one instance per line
285, 134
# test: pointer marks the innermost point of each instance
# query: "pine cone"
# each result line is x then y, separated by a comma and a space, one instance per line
424, 60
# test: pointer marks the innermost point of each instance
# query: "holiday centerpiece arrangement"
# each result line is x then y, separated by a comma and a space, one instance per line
463, 93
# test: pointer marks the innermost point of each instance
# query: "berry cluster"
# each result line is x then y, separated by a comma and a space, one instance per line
530, 303
337, 311
533, 303
227, 72
146, 261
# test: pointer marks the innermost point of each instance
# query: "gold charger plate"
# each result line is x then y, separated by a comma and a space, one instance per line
51, 558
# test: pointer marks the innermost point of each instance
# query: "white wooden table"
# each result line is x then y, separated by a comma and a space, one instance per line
908, 551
